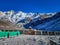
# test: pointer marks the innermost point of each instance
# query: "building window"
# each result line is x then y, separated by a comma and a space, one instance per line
51, 33
44, 33
38, 32
57, 33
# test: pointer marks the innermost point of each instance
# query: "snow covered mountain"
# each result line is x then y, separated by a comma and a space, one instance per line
47, 24
22, 17
13, 16
39, 21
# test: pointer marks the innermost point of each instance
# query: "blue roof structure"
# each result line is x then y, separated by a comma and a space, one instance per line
47, 24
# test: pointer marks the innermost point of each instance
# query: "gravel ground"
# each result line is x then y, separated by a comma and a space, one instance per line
26, 40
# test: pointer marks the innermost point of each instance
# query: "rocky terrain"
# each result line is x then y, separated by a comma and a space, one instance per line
12, 19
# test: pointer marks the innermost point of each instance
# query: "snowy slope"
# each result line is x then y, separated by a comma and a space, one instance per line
20, 17
50, 24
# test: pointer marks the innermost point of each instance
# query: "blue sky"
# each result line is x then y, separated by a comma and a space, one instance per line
30, 5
